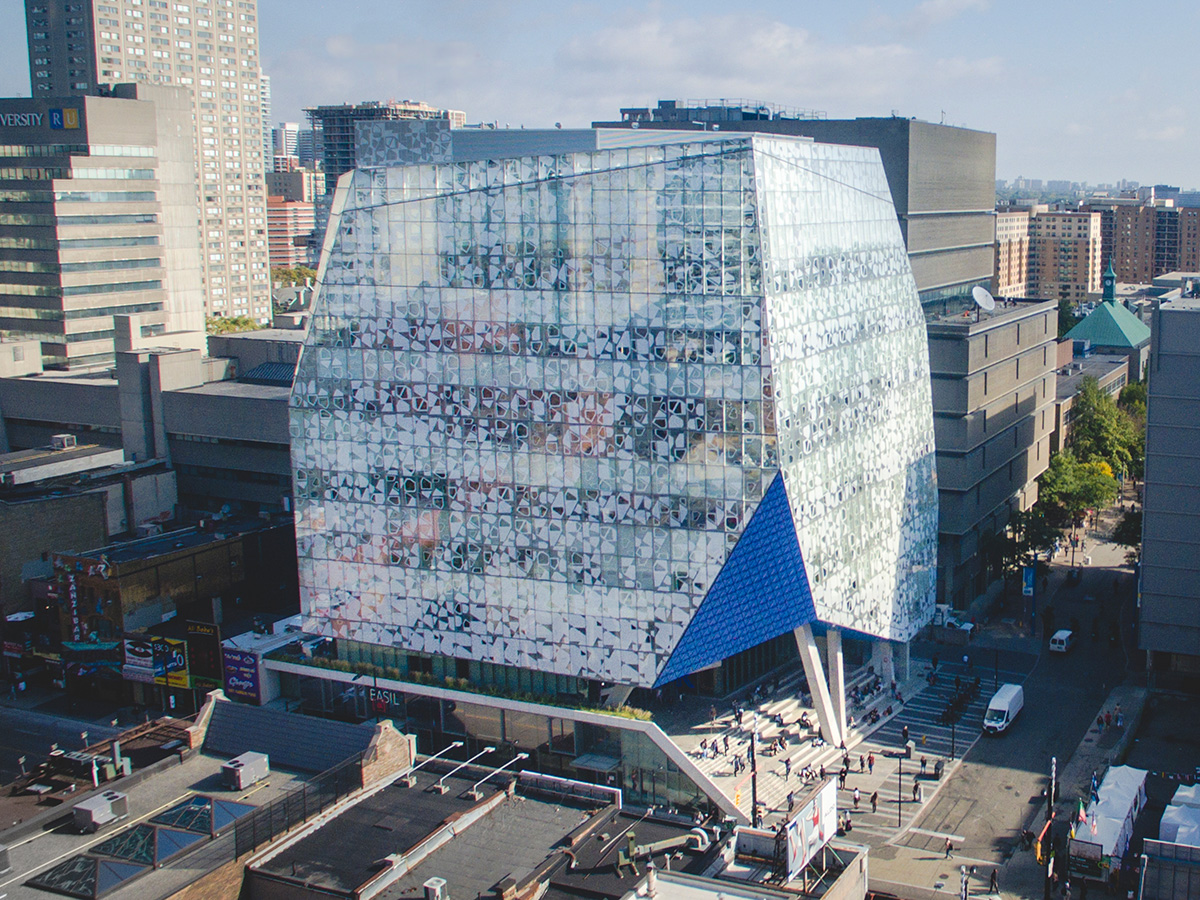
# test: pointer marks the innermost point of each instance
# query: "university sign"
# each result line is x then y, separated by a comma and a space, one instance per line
23, 119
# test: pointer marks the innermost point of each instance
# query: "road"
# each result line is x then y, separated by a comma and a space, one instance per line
30, 733
997, 790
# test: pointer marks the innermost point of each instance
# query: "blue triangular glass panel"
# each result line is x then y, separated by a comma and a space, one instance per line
761, 592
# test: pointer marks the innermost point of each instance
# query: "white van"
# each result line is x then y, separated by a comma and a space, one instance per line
1005, 706
1062, 641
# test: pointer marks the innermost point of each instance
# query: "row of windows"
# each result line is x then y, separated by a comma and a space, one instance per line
18, 196
60, 315
50, 221
75, 150
29, 267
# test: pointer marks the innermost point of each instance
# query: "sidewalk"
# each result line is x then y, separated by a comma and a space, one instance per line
1021, 877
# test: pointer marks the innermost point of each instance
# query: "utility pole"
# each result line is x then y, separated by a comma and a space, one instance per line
754, 775
899, 790
1050, 788
952, 744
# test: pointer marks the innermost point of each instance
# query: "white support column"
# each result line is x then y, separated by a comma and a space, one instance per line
902, 662
817, 686
837, 675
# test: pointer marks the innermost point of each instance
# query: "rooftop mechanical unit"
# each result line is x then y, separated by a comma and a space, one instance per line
94, 813
245, 770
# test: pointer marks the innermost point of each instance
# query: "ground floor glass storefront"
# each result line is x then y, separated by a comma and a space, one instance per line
616, 755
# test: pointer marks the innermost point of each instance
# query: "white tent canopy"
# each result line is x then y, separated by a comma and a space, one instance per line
1122, 798
1180, 825
1186, 795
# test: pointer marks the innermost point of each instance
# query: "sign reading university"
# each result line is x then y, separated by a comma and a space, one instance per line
25, 119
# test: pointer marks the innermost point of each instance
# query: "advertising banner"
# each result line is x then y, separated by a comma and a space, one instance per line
241, 675
174, 661
204, 654
811, 829
141, 662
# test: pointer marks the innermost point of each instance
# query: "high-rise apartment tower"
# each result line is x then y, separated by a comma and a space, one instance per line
209, 47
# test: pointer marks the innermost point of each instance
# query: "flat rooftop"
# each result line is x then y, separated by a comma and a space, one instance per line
172, 541
198, 775
343, 853
240, 389
20, 460
969, 318
1097, 367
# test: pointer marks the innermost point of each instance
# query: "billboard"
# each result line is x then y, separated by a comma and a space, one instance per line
141, 662
175, 662
241, 675
204, 654
811, 828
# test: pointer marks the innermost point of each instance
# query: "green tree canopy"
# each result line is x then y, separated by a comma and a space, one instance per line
230, 324
1128, 532
1101, 432
1066, 317
294, 275
1074, 486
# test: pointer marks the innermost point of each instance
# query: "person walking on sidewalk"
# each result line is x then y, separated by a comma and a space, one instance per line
924, 762
871, 764
949, 848
862, 763
994, 884
874, 801
787, 769
857, 795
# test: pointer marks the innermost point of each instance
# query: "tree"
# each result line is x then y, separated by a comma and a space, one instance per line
1103, 433
1034, 535
1128, 532
296, 275
1066, 317
1074, 486
230, 325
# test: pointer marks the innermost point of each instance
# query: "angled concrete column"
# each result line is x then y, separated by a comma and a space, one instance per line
902, 662
811, 658
837, 675
881, 658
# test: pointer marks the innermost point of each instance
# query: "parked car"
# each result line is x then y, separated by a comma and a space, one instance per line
1062, 641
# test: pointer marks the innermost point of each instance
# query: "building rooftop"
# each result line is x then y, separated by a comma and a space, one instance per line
972, 319
184, 538
50, 459
1111, 325
1097, 367
240, 389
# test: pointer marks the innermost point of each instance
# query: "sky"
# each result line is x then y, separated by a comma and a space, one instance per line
1095, 91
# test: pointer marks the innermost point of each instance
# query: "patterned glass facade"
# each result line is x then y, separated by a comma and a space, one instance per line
544, 398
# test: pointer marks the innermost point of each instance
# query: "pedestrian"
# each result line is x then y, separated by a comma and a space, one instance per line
1100, 722
791, 800
916, 791
935, 662
739, 717
924, 763
822, 773
874, 801
967, 660
871, 763
842, 780
949, 848
727, 744
845, 758
862, 763
856, 797
704, 746
994, 884
1108, 720
787, 769
904, 733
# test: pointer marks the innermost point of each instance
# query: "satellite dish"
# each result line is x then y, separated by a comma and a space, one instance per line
983, 299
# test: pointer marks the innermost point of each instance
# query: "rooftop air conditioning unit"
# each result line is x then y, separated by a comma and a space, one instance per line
245, 770
94, 813
62, 442
435, 889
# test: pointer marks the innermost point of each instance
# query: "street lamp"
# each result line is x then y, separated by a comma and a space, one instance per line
899, 790
952, 744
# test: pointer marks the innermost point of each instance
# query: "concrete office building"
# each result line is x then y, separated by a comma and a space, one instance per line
1170, 572
994, 391
99, 220
335, 127
541, 430
210, 49
942, 179
1064, 255
296, 184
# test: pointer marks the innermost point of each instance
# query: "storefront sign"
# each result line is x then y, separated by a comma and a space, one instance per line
241, 675
204, 654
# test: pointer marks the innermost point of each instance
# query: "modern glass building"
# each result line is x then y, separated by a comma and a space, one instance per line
611, 406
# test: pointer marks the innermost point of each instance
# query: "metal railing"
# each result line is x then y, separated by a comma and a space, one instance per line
298, 806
